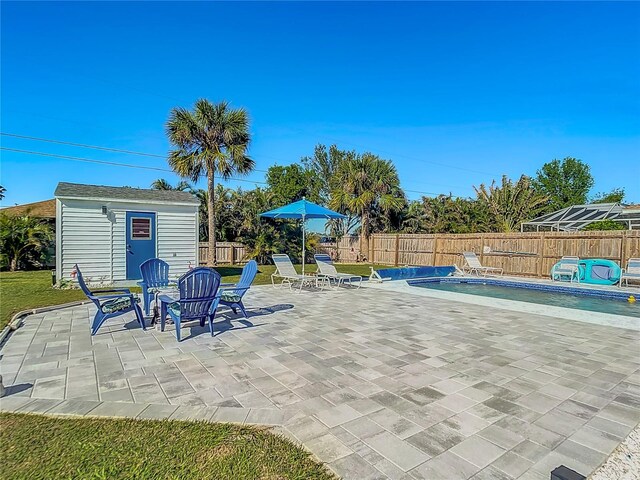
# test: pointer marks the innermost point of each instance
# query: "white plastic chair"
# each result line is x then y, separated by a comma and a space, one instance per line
474, 266
566, 267
631, 272
328, 270
286, 271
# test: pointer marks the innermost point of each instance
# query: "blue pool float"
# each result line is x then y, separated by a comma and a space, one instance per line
598, 271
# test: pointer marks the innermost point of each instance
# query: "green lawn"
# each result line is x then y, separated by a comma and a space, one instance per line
35, 446
25, 290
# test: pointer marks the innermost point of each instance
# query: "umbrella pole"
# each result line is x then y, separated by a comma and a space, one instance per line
303, 245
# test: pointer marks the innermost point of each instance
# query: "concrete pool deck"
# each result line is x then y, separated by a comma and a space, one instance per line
622, 321
377, 383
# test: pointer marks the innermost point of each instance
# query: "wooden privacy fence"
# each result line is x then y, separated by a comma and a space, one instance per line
227, 252
528, 254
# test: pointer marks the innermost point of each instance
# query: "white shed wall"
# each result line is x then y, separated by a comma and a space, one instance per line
97, 242
178, 241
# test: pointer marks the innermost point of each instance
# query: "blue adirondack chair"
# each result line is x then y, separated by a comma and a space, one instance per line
118, 303
198, 299
155, 274
232, 297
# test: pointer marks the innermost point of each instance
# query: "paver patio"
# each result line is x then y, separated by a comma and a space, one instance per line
378, 384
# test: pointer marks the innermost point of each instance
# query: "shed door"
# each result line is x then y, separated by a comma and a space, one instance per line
141, 241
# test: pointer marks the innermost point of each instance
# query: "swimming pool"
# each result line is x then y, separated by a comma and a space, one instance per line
560, 296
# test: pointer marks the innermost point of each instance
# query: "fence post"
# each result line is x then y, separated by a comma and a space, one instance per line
435, 251
540, 255
397, 249
623, 250
482, 249
233, 255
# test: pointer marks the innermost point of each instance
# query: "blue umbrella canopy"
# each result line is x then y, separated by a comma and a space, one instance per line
302, 209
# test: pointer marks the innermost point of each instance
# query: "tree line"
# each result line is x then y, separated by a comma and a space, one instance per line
362, 186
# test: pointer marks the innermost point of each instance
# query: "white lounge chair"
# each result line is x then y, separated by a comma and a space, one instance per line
566, 267
474, 266
632, 272
327, 270
288, 274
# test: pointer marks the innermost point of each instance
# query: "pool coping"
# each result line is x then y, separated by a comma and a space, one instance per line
599, 318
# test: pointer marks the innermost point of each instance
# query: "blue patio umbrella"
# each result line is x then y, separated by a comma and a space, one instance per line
302, 209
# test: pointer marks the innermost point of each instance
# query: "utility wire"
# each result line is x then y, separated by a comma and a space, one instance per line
128, 152
116, 164
145, 167
95, 147
83, 145
335, 141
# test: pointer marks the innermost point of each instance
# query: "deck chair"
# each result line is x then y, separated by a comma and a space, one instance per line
155, 274
288, 274
328, 270
118, 302
632, 272
198, 299
566, 267
231, 295
473, 265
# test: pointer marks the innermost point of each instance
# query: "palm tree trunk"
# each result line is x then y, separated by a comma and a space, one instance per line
211, 257
364, 231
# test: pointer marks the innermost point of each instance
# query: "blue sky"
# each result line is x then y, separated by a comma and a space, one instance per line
454, 93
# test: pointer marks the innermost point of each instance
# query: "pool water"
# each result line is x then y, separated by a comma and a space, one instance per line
614, 304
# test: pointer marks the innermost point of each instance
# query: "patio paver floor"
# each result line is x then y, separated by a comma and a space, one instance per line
378, 384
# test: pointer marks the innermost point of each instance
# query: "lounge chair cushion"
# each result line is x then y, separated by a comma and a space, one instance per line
174, 308
230, 297
117, 304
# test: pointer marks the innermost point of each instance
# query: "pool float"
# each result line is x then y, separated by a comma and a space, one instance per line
597, 271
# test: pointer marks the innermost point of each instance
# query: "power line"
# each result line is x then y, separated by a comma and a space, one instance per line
143, 167
133, 152
335, 141
83, 145
115, 164
95, 147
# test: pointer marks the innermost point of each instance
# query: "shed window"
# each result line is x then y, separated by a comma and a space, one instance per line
140, 228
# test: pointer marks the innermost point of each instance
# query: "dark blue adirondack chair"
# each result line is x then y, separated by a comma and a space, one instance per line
232, 297
198, 299
155, 274
118, 303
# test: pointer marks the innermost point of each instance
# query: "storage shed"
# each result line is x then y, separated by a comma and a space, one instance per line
110, 231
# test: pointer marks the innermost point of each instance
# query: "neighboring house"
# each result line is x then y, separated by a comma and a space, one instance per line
110, 231
45, 209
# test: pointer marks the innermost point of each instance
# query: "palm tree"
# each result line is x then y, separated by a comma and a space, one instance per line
511, 203
367, 186
23, 238
210, 140
162, 184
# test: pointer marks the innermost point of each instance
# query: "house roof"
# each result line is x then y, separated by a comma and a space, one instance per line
103, 192
43, 209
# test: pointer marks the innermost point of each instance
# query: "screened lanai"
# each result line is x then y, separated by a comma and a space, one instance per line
577, 217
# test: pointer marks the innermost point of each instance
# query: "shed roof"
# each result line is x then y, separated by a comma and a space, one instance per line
43, 209
103, 192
